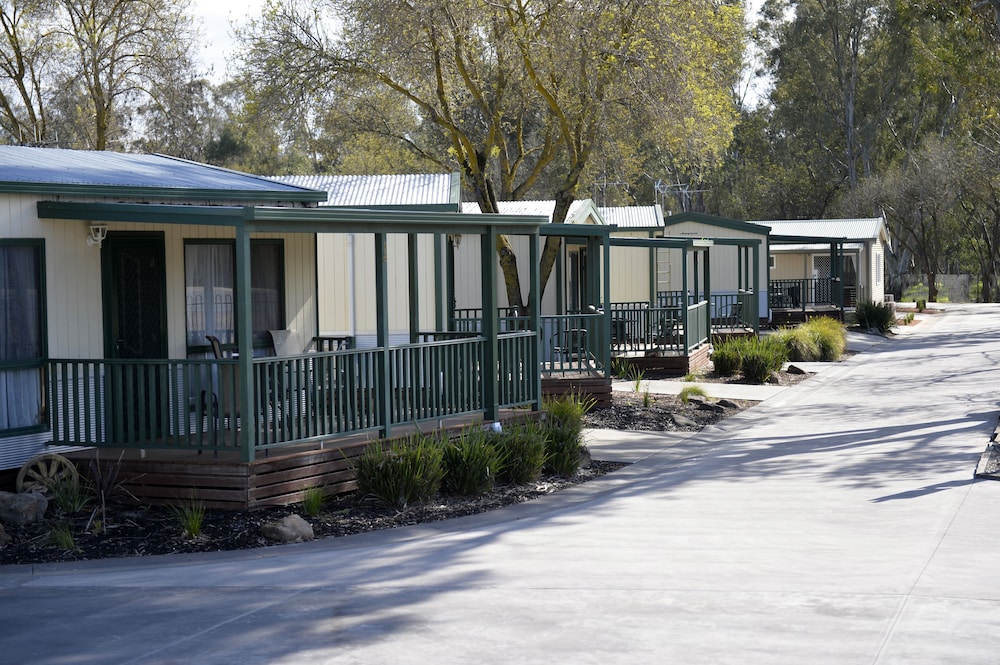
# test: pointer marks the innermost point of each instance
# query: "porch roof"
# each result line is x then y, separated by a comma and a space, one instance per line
714, 220
51, 171
860, 229
292, 220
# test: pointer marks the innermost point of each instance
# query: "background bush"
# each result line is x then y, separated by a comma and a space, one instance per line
564, 446
727, 355
818, 339
408, 471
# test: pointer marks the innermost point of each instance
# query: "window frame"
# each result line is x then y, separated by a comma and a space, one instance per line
41, 362
260, 341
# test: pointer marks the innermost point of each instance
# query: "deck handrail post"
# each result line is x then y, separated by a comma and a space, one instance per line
491, 372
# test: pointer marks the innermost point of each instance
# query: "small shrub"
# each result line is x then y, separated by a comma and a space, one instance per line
647, 399
727, 355
691, 376
685, 394
908, 318
569, 410
522, 450
800, 344
830, 336
408, 471
313, 500
764, 356
191, 517
921, 305
620, 367
876, 316
636, 376
61, 535
471, 463
71, 495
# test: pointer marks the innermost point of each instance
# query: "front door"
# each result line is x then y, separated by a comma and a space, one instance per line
135, 325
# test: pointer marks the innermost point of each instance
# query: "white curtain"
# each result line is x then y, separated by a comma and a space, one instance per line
20, 337
209, 280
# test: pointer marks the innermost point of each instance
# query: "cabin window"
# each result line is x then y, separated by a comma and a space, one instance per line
210, 277
22, 336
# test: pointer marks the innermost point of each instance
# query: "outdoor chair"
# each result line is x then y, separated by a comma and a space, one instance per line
730, 317
570, 345
224, 401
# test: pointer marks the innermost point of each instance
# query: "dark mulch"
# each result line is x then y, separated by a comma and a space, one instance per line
127, 530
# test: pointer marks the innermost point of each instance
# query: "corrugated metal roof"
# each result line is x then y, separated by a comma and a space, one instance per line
861, 228
22, 167
424, 189
633, 217
579, 211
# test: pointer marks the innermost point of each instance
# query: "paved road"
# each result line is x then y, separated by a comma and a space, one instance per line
837, 522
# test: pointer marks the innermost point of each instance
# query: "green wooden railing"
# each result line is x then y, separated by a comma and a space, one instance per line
639, 327
197, 404
698, 326
801, 293
573, 343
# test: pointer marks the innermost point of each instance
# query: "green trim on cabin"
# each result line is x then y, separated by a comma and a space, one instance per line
712, 220
293, 220
165, 193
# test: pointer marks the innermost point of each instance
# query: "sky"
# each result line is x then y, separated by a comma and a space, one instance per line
215, 17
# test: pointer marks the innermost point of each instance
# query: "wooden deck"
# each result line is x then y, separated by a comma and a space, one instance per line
796, 315
587, 385
675, 364
224, 480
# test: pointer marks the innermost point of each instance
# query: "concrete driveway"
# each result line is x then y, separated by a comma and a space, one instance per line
836, 522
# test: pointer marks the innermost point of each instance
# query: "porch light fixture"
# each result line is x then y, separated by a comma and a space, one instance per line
96, 234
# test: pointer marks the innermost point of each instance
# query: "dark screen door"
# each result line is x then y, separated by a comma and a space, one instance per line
135, 315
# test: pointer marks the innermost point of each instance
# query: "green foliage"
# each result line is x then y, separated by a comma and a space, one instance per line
692, 376
685, 394
408, 471
190, 516
71, 495
313, 500
818, 339
647, 399
763, 356
621, 368
876, 316
564, 433
522, 448
908, 318
471, 462
568, 410
61, 535
727, 355
921, 305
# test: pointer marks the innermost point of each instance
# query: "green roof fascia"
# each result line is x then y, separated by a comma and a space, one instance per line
737, 242
713, 220
807, 240
164, 193
418, 207
577, 230
293, 220
662, 243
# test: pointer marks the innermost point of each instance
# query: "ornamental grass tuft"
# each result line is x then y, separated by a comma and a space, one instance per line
471, 462
408, 471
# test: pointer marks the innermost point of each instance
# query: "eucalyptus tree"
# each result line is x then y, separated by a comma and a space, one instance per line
519, 96
27, 49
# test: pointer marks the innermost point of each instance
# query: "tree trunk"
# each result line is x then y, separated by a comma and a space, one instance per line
932, 292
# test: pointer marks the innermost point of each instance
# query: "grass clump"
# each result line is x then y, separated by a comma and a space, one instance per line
61, 536
522, 449
71, 495
878, 316
564, 448
818, 339
471, 463
191, 517
408, 471
312, 501
687, 391
727, 355
764, 356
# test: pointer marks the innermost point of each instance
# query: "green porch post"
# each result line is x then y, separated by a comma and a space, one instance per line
535, 319
606, 321
383, 388
654, 272
490, 373
756, 288
413, 285
560, 285
708, 292
244, 344
684, 301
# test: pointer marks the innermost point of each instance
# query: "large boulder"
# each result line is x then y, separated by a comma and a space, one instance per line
23, 508
291, 529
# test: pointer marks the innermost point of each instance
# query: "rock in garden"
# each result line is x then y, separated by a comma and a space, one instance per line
696, 399
585, 458
291, 529
712, 406
23, 508
795, 369
683, 421
728, 404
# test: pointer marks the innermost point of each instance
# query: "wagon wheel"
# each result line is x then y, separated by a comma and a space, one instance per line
45, 471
